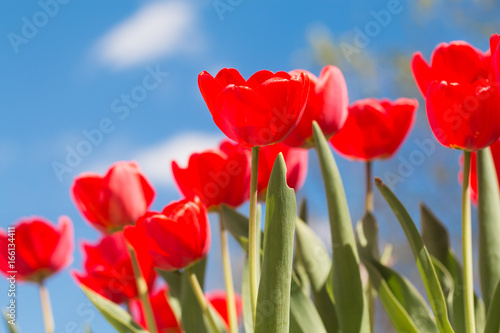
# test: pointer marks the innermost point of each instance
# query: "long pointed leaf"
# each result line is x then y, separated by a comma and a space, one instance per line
114, 314
489, 225
273, 301
403, 303
422, 257
191, 312
351, 305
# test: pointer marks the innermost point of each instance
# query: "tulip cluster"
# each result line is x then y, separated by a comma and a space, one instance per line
271, 120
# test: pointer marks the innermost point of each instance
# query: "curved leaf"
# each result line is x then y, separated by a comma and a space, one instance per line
114, 314
422, 257
303, 315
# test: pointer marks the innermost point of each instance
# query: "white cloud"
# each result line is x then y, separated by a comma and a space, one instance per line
157, 29
156, 160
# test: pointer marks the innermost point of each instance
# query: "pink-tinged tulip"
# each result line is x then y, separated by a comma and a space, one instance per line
259, 111
296, 166
218, 300
166, 322
327, 105
112, 201
177, 237
462, 97
36, 249
108, 269
216, 176
374, 128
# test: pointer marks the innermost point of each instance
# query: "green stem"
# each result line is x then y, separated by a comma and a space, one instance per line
142, 290
198, 292
467, 248
228, 277
48, 318
369, 188
253, 252
370, 295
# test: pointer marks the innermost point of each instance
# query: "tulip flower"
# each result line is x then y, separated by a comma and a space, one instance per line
495, 57
108, 268
218, 300
296, 165
39, 248
495, 152
375, 129
462, 102
216, 176
166, 322
256, 112
115, 200
177, 237
327, 105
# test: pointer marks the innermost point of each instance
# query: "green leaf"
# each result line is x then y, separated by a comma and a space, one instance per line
11, 328
317, 264
245, 295
273, 301
114, 314
304, 318
174, 282
422, 257
367, 237
351, 305
488, 224
403, 303
493, 319
434, 235
434, 232
191, 313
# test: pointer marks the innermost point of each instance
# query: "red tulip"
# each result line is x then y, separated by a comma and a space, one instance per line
109, 271
457, 62
217, 176
495, 152
36, 249
218, 300
177, 237
464, 116
375, 128
495, 57
259, 111
327, 105
463, 105
296, 166
166, 322
115, 200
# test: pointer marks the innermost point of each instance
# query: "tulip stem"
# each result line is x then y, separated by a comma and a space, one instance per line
48, 318
467, 247
253, 233
369, 188
370, 294
200, 296
142, 290
228, 276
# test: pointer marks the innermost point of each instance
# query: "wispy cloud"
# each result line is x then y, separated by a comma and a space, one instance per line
159, 28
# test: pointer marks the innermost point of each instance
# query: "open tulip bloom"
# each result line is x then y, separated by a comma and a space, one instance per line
291, 281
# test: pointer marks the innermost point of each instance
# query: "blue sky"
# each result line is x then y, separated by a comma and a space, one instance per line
72, 72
